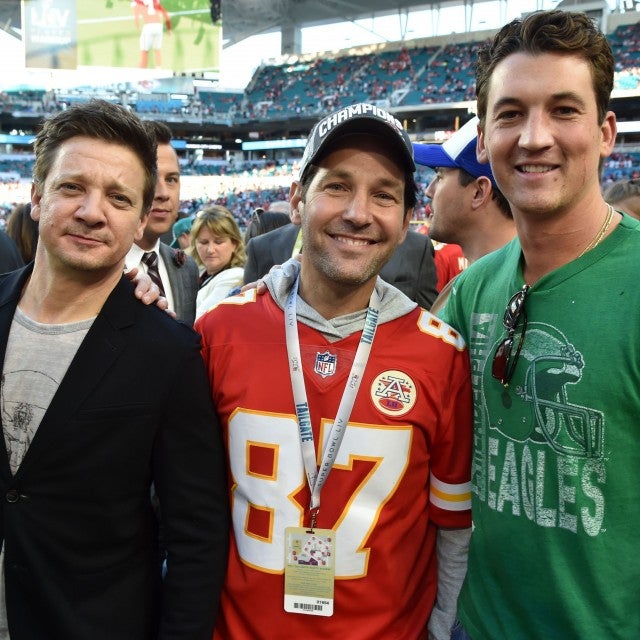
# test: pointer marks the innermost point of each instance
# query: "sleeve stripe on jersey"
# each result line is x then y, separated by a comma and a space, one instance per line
452, 497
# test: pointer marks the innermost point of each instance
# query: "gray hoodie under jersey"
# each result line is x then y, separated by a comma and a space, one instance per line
393, 304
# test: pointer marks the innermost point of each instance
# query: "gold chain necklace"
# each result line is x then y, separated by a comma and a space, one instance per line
603, 229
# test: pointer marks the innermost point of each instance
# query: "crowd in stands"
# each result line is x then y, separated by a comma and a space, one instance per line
411, 75
241, 187
621, 166
625, 44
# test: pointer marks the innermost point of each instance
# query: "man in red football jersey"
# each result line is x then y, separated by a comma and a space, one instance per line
149, 16
346, 410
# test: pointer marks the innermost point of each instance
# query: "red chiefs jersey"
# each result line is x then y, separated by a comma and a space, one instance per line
449, 261
403, 467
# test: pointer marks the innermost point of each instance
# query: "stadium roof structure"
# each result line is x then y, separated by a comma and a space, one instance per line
242, 19
10, 16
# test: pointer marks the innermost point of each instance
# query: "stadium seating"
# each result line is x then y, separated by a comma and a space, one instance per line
402, 76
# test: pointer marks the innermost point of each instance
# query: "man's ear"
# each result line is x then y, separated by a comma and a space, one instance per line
142, 223
295, 202
609, 130
36, 196
481, 150
405, 224
482, 188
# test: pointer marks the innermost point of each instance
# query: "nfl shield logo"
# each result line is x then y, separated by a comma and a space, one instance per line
325, 364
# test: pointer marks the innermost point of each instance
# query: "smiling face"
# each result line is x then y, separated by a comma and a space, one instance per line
166, 201
89, 207
542, 134
353, 216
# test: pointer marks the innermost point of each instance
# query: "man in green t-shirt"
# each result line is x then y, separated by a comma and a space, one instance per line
551, 322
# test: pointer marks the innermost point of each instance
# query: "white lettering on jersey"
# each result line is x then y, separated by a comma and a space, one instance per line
276, 438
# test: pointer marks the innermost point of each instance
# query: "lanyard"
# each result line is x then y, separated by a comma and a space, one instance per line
317, 477
297, 247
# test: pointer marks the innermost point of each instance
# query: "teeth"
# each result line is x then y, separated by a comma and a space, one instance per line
351, 241
535, 168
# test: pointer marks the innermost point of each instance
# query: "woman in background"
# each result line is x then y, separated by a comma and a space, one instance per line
217, 247
23, 230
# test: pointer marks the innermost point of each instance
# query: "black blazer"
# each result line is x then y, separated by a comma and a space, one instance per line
268, 249
411, 267
76, 521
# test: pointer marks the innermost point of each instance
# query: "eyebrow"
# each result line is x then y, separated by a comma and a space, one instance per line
332, 174
79, 176
556, 97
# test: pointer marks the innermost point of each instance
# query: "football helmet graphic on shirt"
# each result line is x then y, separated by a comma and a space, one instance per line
538, 407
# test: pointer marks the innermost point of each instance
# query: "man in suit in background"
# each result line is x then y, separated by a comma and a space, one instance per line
411, 267
177, 272
274, 247
86, 430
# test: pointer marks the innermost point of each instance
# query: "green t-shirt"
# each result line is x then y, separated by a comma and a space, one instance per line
556, 466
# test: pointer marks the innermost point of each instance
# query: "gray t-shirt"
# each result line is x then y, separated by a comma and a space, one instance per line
38, 356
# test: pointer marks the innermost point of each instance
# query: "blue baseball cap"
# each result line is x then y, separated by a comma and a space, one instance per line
458, 152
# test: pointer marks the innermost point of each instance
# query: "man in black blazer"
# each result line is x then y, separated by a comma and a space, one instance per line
101, 399
178, 271
411, 267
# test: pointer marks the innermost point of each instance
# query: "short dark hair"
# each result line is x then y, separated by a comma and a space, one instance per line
160, 130
550, 31
101, 120
465, 179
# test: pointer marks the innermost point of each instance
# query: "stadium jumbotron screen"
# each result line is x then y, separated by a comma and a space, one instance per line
176, 35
